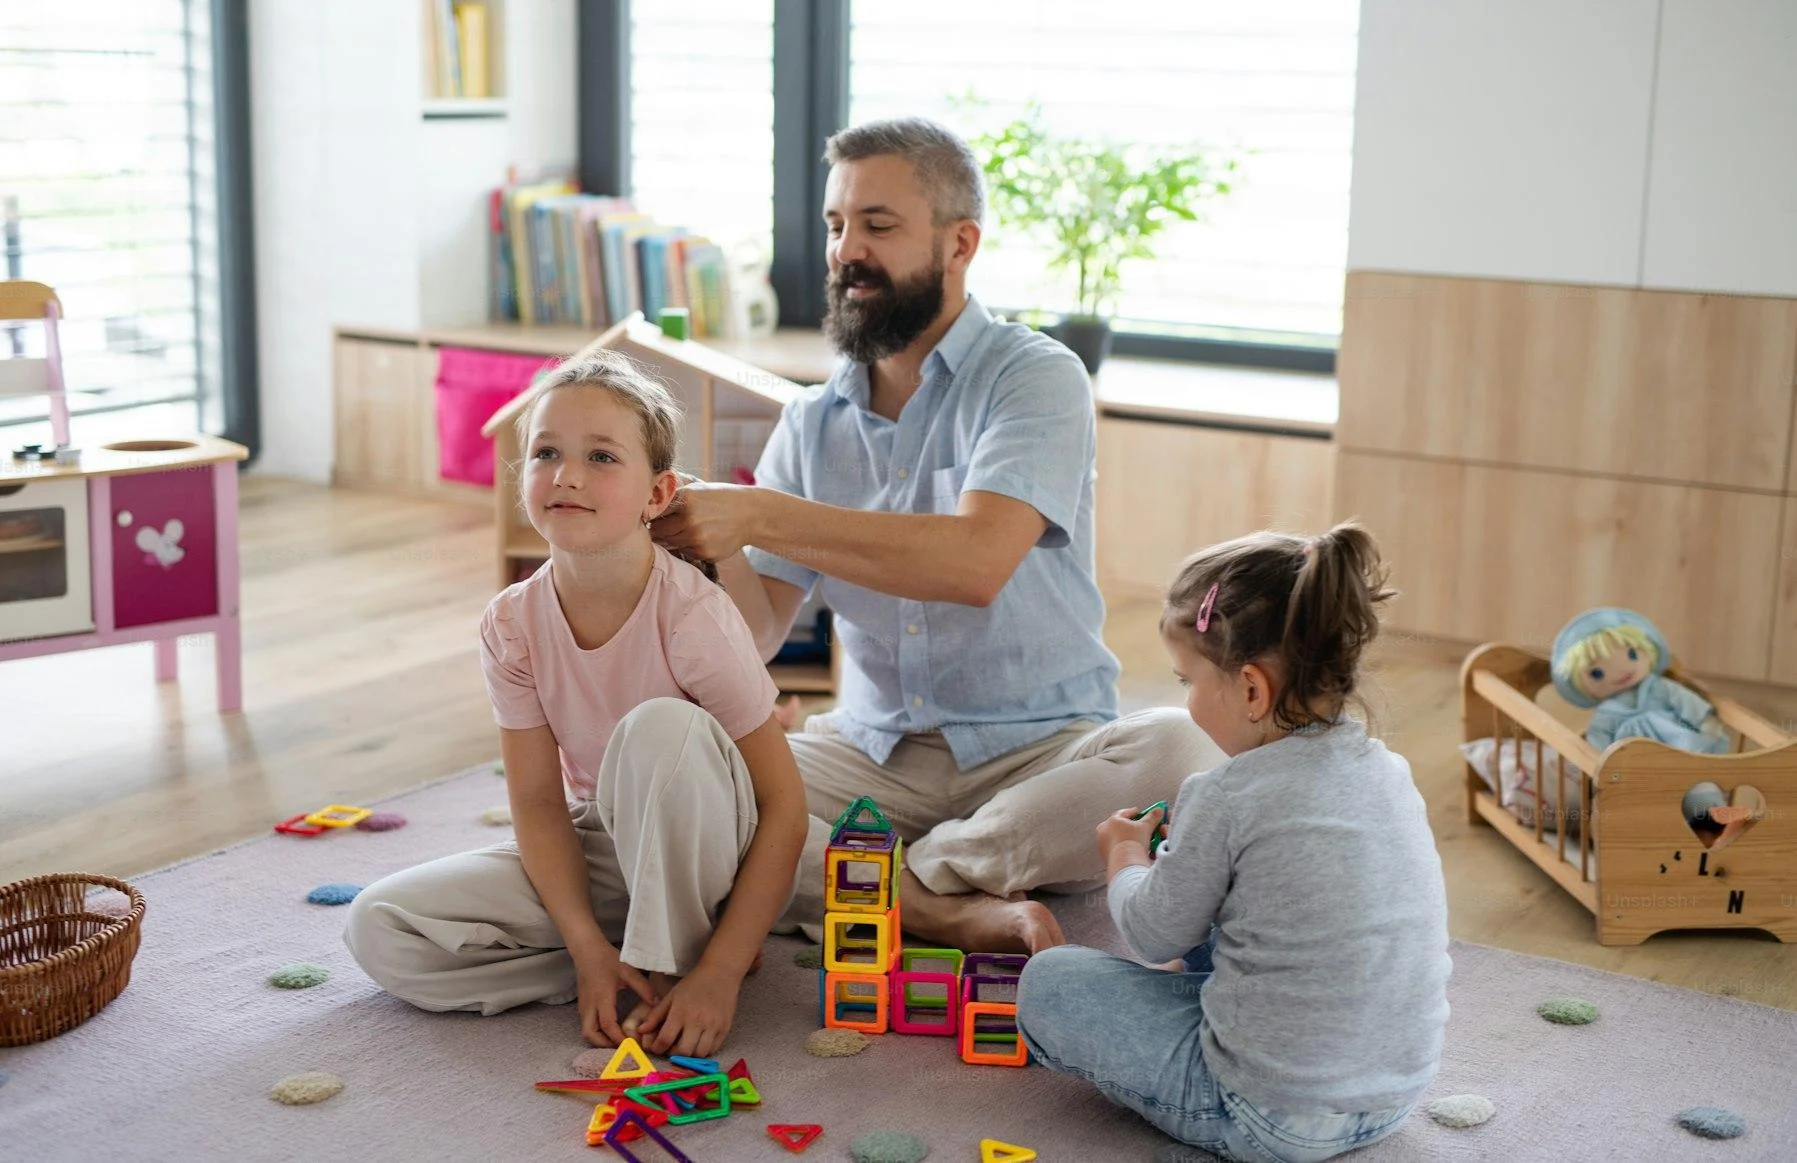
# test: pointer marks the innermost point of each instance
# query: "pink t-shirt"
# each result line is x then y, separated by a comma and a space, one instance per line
684, 640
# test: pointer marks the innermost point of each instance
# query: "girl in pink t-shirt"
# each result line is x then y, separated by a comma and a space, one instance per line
651, 784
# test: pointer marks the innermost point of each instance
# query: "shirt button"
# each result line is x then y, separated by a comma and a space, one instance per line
912, 628
916, 701
903, 473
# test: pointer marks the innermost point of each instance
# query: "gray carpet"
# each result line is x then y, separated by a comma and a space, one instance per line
180, 1066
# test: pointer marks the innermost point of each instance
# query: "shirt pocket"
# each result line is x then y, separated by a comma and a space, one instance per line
945, 489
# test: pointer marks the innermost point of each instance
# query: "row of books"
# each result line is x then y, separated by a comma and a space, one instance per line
459, 47
561, 256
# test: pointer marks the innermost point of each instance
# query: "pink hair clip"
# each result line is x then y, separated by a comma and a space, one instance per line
1205, 607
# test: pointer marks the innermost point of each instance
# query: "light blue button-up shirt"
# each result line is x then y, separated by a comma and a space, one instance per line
1004, 410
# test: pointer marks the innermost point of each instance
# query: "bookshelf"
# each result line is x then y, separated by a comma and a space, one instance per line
463, 55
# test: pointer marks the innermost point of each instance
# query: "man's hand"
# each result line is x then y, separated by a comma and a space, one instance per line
693, 1019
708, 521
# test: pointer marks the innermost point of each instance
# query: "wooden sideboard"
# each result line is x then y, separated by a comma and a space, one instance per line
1523, 451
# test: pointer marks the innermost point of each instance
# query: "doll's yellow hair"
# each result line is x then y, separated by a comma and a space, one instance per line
1587, 650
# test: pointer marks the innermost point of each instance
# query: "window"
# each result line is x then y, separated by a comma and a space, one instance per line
702, 117
107, 191
1276, 79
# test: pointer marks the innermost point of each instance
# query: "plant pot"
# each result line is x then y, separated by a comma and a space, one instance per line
1086, 337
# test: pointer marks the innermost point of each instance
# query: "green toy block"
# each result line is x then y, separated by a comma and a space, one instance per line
862, 816
643, 1094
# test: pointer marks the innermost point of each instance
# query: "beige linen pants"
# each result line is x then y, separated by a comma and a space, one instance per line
670, 823
1020, 822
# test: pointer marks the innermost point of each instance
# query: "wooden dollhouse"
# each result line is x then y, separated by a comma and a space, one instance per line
134, 541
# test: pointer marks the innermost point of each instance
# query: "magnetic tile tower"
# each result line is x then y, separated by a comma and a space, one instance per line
870, 983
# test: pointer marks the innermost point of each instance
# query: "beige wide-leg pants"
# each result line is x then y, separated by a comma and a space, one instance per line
671, 821
1020, 822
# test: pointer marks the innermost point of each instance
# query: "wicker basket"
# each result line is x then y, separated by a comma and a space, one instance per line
61, 964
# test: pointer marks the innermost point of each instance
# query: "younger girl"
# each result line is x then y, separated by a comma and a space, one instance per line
1300, 874
649, 780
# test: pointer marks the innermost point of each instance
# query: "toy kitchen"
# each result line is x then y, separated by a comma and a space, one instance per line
133, 541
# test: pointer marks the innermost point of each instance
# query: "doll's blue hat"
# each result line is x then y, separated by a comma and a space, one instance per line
1589, 623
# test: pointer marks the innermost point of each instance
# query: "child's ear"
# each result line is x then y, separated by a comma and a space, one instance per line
1258, 688
661, 494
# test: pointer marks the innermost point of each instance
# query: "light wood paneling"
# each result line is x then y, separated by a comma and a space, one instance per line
1484, 553
1663, 385
379, 420
1784, 615
1165, 490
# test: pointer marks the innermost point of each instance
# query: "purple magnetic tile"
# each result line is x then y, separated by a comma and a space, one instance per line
629, 1116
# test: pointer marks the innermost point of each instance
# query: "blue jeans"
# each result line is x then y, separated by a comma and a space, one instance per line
1133, 1032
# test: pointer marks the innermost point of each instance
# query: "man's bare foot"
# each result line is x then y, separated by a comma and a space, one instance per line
661, 983
977, 922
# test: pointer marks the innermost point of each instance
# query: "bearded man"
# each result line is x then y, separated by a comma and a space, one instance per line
938, 490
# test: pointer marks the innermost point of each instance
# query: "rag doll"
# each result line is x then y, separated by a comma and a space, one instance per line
1614, 661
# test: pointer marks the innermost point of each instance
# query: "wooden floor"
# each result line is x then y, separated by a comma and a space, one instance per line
361, 679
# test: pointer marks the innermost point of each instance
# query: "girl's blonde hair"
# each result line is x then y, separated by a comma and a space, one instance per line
1306, 605
618, 374
1578, 658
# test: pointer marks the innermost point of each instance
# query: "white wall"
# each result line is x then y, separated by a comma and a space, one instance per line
1617, 142
366, 213
1722, 201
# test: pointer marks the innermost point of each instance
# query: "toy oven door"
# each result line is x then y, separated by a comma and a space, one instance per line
45, 574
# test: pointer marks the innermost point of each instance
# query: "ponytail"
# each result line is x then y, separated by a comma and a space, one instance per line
1306, 606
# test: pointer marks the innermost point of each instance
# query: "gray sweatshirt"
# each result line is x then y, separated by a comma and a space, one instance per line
1313, 856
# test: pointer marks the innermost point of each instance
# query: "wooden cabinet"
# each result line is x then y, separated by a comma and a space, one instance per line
1659, 385
1526, 450
382, 415
1165, 490
1512, 554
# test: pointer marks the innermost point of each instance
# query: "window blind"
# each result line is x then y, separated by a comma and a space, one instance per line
1275, 78
106, 193
702, 117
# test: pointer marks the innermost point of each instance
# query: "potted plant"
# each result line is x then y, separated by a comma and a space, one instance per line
1095, 205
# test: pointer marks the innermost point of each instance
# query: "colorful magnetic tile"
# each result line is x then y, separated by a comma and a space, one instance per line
298, 826
1017, 1054
995, 964
339, 816
914, 1013
605, 1115
741, 1069
629, 1061
851, 995
743, 1093
921, 960
696, 1065
999, 1151
988, 987
646, 1095
863, 816
860, 942
795, 1137
615, 1139
584, 1086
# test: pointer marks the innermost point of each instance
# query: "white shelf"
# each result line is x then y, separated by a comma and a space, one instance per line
446, 108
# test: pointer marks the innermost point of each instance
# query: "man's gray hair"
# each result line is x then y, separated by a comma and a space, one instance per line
945, 166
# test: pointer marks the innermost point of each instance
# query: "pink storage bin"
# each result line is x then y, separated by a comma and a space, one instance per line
471, 386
